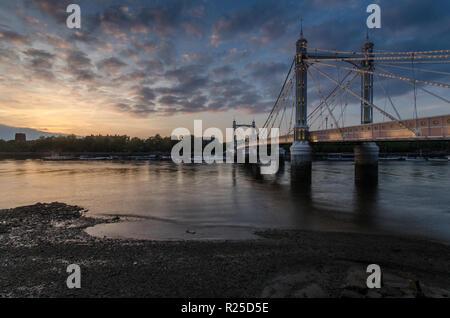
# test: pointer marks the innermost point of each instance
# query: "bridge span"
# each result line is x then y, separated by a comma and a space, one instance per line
421, 129
300, 124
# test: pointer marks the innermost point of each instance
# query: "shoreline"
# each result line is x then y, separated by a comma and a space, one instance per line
38, 242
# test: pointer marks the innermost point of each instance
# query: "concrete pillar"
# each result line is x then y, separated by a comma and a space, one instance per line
366, 163
301, 162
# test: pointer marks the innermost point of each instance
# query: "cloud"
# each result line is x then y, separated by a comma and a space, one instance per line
171, 57
266, 70
78, 59
13, 37
145, 95
80, 66
151, 65
137, 110
54, 8
55, 41
111, 65
41, 63
265, 18
223, 71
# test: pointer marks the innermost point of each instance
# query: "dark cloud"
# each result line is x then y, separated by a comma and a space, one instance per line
84, 37
84, 75
163, 49
54, 8
129, 53
41, 63
55, 41
136, 110
151, 65
266, 17
266, 70
145, 95
80, 66
223, 71
77, 60
13, 37
111, 65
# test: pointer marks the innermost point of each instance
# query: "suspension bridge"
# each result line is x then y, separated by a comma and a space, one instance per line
335, 92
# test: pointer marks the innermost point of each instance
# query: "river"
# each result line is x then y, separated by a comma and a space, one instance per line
161, 200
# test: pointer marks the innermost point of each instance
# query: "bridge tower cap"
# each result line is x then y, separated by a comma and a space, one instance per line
301, 41
368, 45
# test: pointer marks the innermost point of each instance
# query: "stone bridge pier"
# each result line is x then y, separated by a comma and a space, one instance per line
366, 163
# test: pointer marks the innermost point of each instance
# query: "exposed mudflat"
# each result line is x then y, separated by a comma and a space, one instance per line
38, 242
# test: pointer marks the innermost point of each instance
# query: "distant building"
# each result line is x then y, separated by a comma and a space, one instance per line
21, 137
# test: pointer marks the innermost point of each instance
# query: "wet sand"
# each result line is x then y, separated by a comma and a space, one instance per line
38, 242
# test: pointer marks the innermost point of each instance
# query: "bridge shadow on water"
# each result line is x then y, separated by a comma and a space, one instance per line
307, 200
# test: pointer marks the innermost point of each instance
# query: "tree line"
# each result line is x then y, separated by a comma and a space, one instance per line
105, 144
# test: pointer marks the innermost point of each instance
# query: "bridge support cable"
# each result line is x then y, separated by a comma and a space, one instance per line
417, 62
285, 94
417, 69
333, 95
421, 88
402, 78
366, 101
336, 89
326, 103
332, 100
389, 98
380, 52
286, 103
313, 120
276, 109
314, 59
416, 116
281, 92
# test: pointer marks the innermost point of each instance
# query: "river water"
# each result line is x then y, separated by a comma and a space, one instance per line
161, 200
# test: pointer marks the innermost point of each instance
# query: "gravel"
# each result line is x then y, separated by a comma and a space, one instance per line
38, 242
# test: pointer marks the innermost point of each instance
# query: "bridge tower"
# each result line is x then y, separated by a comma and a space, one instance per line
366, 154
301, 152
367, 83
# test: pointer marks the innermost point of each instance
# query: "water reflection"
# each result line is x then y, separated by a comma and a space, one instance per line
410, 198
366, 200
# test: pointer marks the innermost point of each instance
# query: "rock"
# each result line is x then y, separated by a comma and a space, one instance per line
310, 291
346, 293
299, 285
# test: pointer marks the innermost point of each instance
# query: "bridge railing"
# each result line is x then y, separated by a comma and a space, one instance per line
433, 128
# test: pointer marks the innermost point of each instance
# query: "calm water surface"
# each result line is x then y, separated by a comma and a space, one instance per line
166, 201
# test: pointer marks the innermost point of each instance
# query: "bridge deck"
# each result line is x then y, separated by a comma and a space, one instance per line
430, 128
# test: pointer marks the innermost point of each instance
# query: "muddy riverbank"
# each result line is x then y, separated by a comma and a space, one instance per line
38, 242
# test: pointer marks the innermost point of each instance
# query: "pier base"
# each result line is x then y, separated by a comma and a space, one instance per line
366, 163
301, 162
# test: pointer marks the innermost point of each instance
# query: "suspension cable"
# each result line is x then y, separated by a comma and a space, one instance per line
423, 89
282, 89
379, 52
365, 101
406, 79
328, 107
417, 69
382, 58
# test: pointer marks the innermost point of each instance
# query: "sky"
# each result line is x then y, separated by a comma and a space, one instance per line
145, 67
